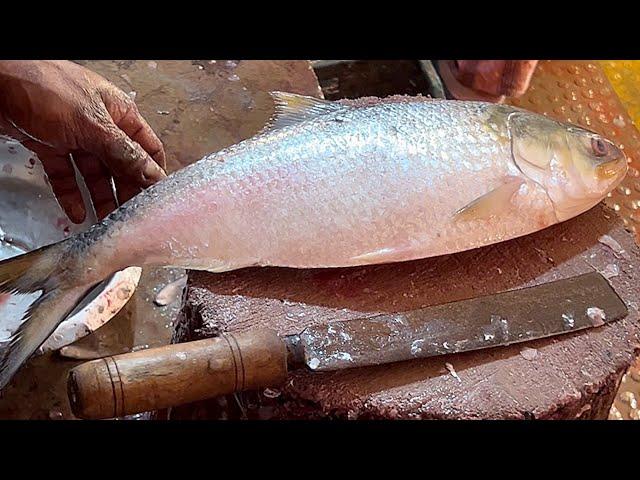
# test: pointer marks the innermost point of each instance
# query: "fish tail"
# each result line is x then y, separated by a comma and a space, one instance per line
42, 270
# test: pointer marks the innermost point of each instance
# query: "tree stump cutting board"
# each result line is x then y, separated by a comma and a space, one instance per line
572, 376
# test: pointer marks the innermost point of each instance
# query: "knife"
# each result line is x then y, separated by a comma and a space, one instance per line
181, 373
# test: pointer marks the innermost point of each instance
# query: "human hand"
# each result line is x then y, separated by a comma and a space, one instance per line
59, 110
487, 80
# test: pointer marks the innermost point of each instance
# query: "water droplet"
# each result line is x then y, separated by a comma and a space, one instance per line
619, 121
629, 398
614, 414
56, 415
181, 355
313, 363
595, 106
611, 271
596, 315
233, 78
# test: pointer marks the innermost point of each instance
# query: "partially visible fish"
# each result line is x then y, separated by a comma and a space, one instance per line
332, 184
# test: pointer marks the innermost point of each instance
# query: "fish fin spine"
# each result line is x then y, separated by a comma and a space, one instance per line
492, 203
291, 109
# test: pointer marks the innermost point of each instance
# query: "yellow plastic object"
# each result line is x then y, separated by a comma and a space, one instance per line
579, 92
624, 76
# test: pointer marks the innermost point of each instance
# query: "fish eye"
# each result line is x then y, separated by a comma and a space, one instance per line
599, 147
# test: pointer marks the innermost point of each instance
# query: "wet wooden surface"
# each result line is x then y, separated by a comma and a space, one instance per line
195, 107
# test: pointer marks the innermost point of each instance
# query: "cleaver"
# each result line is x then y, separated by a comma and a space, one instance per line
232, 362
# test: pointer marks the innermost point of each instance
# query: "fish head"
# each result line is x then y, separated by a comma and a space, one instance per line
576, 167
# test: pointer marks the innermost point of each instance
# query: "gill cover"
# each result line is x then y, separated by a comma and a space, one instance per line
535, 140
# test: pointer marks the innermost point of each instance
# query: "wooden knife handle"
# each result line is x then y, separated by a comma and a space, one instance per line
176, 374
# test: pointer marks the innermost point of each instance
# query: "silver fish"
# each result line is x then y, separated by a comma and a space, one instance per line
332, 184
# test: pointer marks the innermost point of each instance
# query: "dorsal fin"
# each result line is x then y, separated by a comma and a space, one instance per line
292, 108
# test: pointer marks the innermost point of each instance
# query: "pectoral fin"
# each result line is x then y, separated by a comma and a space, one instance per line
398, 253
493, 203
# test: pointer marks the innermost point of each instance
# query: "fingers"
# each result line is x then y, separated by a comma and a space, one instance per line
124, 157
126, 116
62, 178
98, 180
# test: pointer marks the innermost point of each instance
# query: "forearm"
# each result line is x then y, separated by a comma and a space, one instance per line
14, 72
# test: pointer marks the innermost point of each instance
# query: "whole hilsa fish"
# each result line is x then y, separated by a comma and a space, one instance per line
331, 184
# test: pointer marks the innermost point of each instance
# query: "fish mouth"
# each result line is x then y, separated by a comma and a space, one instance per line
616, 168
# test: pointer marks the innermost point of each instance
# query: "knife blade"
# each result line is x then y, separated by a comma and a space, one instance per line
514, 316
181, 373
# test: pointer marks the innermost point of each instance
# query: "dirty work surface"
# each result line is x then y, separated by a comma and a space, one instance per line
196, 107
